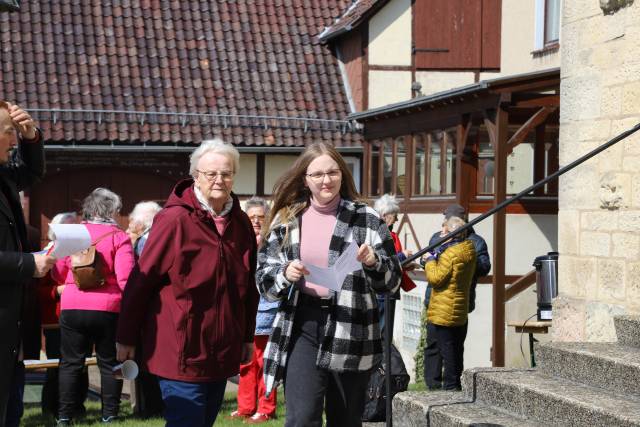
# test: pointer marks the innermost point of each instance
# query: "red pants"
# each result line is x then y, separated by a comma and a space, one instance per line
251, 385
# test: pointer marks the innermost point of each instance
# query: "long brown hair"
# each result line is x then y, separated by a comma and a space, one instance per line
290, 194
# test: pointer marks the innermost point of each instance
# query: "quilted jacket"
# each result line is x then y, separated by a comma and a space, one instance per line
450, 276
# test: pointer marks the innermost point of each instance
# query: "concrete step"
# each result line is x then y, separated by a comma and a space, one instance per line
628, 330
475, 415
607, 365
551, 401
411, 408
448, 409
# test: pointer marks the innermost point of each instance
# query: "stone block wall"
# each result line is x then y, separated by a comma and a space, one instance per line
599, 216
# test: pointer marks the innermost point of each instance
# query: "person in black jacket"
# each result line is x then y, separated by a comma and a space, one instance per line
19, 169
432, 356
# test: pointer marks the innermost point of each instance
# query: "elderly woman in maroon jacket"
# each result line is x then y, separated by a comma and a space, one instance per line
193, 297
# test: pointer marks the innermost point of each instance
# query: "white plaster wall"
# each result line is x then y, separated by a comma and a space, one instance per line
440, 81
518, 42
390, 34
388, 87
274, 166
245, 181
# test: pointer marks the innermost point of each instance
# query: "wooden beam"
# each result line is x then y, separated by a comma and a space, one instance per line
464, 169
499, 240
539, 159
520, 285
527, 100
537, 119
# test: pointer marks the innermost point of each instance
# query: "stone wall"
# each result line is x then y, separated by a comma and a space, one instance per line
599, 217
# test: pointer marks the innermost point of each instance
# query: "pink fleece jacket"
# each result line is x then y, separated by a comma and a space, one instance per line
117, 253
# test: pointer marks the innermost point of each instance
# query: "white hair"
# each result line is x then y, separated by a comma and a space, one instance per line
386, 204
214, 146
62, 218
144, 212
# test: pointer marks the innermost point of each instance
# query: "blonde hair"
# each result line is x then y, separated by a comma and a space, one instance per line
453, 223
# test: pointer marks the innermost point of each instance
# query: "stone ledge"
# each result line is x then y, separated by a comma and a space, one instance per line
535, 396
607, 365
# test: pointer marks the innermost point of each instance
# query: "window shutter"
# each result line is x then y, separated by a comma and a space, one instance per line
491, 31
457, 34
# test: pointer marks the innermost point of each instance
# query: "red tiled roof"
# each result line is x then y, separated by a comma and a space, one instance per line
357, 12
233, 58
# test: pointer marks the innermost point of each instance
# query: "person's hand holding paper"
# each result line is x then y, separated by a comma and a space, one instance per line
69, 239
333, 277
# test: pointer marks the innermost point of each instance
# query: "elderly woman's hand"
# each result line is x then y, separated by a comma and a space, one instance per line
125, 352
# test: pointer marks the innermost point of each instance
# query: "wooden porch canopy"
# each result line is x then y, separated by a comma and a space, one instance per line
510, 109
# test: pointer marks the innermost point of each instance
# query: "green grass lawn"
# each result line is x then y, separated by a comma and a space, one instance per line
34, 418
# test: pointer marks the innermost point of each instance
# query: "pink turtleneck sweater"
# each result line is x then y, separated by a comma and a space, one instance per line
318, 223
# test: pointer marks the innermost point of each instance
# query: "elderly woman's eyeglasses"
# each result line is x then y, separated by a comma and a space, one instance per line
319, 176
212, 175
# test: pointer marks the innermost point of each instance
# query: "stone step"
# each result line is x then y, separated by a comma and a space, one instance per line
628, 330
607, 365
475, 415
411, 408
551, 401
445, 409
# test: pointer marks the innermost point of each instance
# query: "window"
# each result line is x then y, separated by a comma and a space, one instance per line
434, 159
547, 33
551, 21
457, 34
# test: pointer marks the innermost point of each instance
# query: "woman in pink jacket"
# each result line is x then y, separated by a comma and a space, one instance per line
89, 316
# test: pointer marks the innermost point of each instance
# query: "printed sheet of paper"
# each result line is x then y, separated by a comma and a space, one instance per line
333, 277
69, 239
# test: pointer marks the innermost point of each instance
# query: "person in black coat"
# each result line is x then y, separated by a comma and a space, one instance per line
432, 356
19, 169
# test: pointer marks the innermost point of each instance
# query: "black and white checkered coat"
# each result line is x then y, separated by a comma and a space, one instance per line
352, 334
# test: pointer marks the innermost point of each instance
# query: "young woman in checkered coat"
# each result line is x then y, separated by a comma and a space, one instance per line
323, 342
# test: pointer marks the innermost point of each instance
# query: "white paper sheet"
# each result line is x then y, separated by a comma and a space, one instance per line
333, 277
69, 239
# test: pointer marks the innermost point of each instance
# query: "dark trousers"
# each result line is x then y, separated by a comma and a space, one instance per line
15, 407
49, 397
445, 348
191, 404
80, 331
308, 389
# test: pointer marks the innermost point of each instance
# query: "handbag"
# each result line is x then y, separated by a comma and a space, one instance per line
87, 266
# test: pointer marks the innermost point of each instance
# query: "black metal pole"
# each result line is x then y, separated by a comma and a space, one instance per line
387, 357
524, 192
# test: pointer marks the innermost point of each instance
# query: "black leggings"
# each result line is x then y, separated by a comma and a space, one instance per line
80, 331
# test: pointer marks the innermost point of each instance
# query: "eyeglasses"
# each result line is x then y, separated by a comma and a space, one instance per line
258, 218
212, 175
319, 176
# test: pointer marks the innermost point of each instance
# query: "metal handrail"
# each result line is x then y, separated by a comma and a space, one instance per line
524, 192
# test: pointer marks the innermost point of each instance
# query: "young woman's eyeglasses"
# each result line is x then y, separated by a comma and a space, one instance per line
212, 175
319, 176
